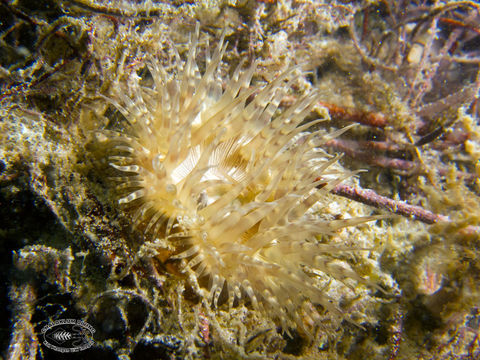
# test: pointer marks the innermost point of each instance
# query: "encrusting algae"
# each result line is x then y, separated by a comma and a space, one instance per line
230, 183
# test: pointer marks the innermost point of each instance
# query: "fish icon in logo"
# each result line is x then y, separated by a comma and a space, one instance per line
60, 336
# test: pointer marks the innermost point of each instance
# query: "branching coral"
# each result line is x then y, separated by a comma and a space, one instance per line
231, 183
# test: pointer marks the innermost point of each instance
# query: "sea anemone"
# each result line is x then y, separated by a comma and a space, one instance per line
230, 181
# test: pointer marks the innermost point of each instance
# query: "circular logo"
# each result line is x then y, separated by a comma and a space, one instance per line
68, 335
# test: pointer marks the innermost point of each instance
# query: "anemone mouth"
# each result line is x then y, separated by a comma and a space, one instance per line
231, 183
